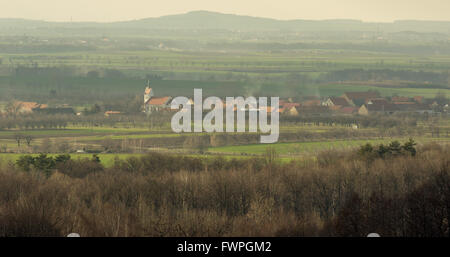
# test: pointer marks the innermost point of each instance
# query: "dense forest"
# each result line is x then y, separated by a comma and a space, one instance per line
393, 189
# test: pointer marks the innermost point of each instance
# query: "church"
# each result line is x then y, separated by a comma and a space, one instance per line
152, 104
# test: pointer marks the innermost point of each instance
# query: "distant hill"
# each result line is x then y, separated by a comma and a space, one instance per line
205, 20
213, 20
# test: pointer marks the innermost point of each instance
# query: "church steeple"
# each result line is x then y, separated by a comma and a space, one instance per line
148, 93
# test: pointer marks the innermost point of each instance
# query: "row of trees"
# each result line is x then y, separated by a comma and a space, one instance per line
395, 148
36, 121
94, 116
387, 74
47, 164
380, 121
62, 121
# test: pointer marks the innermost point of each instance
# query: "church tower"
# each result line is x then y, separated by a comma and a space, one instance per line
148, 93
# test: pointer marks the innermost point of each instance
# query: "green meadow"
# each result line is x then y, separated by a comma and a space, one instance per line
302, 148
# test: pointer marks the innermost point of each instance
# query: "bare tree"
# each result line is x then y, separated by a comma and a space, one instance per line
28, 139
18, 137
12, 109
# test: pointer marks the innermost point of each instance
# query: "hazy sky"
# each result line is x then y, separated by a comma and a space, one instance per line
114, 10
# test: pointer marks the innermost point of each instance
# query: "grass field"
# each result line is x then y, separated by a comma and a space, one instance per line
71, 131
287, 151
292, 149
248, 62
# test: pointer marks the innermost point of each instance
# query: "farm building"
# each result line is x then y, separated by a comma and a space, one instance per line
379, 101
390, 108
348, 110
291, 111
111, 113
56, 110
27, 107
359, 98
157, 104
336, 101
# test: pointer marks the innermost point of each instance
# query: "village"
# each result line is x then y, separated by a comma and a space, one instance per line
350, 103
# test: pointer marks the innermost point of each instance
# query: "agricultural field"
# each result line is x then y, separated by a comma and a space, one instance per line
119, 73
312, 148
